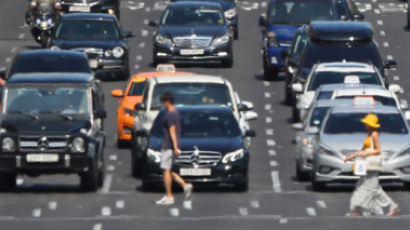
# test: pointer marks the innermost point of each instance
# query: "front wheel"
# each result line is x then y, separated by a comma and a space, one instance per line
89, 180
316, 185
269, 73
295, 114
301, 175
242, 186
7, 181
228, 62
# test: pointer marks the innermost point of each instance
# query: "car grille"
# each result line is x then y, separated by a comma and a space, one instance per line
192, 42
91, 52
286, 44
44, 144
199, 158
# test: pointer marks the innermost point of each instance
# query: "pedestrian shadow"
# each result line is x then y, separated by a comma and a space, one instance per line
198, 188
340, 188
45, 188
260, 77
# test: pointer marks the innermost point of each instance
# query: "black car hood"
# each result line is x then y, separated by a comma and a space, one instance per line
176, 31
46, 124
66, 44
223, 145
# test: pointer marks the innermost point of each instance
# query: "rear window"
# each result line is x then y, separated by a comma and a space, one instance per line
331, 77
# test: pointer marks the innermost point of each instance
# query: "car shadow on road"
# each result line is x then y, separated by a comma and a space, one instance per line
197, 189
340, 188
45, 188
260, 77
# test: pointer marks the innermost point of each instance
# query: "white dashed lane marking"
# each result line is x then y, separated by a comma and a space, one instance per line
243, 211
267, 95
268, 107
36, 213
266, 83
255, 204
272, 152
270, 142
97, 226
321, 204
119, 204
107, 184
268, 120
106, 211
52, 205
144, 33
174, 212
113, 157
276, 181
273, 163
269, 132
382, 33
310, 211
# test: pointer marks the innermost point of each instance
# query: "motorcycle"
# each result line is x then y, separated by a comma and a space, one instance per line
43, 18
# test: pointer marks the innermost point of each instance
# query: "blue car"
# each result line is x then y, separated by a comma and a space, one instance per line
284, 17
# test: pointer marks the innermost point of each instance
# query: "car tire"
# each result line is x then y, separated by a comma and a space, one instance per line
300, 175
147, 186
295, 114
269, 73
101, 172
406, 185
7, 181
236, 33
242, 186
228, 62
288, 95
121, 144
89, 180
136, 165
316, 185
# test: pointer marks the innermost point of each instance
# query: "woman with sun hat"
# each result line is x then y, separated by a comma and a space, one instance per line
369, 197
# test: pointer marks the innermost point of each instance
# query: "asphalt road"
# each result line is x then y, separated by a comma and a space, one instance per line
274, 199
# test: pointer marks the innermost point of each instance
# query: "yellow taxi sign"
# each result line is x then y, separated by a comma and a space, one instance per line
364, 101
170, 68
139, 80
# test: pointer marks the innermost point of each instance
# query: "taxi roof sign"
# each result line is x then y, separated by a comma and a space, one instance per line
364, 101
169, 68
352, 79
139, 80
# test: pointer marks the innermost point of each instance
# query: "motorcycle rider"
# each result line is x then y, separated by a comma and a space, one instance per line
35, 4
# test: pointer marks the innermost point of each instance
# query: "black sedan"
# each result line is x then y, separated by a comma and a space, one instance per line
231, 15
193, 31
92, 6
48, 61
212, 146
100, 37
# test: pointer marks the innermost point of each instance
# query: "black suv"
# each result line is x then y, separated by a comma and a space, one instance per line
92, 6
335, 41
212, 145
52, 123
193, 31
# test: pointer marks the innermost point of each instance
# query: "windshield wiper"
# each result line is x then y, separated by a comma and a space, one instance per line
66, 117
281, 23
32, 116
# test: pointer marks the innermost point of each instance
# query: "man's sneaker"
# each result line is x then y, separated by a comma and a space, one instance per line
165, 201
188, 191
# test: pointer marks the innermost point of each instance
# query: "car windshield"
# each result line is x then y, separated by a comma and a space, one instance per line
297, 12
300, 44
323, 95
202, 123
346, 123
388, 101
50, 98
193, 16
50, 63
193, 94
318, 114
136, 88
334, 52
88, 30
331, 77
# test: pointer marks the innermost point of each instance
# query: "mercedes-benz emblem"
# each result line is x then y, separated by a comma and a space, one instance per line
43, 143
195, 156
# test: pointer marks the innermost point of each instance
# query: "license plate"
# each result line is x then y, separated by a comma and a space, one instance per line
79, 9
194, 172
42, 158
191, 51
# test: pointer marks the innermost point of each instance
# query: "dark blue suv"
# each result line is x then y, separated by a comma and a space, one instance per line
284, 17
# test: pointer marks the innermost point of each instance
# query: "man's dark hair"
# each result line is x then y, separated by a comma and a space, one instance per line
168, 96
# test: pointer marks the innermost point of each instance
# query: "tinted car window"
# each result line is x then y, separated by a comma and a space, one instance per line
300, 12
344, 123
317, 116
192, 16
88, 30
136, 89
50, 63
197, 124
193, 94
330, 77
300, 44
324, 95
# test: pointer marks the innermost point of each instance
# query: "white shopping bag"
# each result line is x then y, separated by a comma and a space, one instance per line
360, 167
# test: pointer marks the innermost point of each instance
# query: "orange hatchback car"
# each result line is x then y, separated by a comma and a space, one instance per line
132, 96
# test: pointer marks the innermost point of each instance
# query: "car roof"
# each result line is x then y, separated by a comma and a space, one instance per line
49, 52
345, 67
362, 92
332, 87
366, 109
333, 103
201, 108
96, 16
350, 31
195, 3
35, 78
190, 79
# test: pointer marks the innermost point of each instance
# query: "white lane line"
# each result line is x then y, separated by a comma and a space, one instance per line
255, 204
110, 167
321, 204
8, 60
268, 120
385, 44
144, 33
52, 205
136, 66
389, 57
243, 211
283, 221
310, 211
276, 181
107, 184
3, 68
139, 57
37, 213
268, 106
14, 49
273, 163
174, 212
141, 45
146, 21
187, 204
264, 4
97, 226
19, 181
119, 204
269, 132
376, 11
113, 157
22, 36
267, 95
272, 152
379, 22
148, 9
382, 33
396, 78
266, 83
270, 142
106, 211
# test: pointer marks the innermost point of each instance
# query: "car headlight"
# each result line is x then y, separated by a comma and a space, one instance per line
118, 52
154, 155
38, 21
308, 140
230, 13
326, 151
108, 53
163, 40
8, 145
50, 22
55, 48
77, 146
233, 156
272, 41
130, 112
220, 40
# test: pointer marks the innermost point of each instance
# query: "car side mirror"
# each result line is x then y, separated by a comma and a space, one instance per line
117, 93
153, 23
142, 133
242, 107
358, 16
297, 126
100, 113
313, 130
297, 87
250, 133
284, 53
390, 64
129, 34
247, 104
394, 88
407, 115
250, 116
404, 104
262, 20
140, 107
